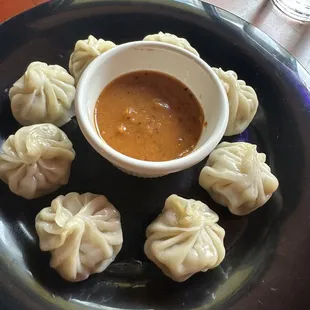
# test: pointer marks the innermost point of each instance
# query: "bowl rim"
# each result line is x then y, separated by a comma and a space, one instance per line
152, 167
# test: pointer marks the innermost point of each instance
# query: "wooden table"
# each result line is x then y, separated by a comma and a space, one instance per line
291, 34
9, 8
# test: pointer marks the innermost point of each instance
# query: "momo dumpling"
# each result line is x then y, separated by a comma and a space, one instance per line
236, 176
36, 160
185, 239
171, 39
85, 52
243, 102
82, 232
44, 94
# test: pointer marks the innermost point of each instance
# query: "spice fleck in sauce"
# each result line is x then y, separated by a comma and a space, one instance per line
149, 116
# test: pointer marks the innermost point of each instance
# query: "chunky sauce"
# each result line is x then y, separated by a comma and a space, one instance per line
149, 116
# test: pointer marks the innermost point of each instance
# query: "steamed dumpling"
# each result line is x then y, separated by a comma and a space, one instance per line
171, 39
85, 52
82, 232
243, 102
185, 239
44, 94
36, 160
236, 176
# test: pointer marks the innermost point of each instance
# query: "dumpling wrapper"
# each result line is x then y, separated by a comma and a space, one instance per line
171, 39
36, 160
85, 52
185, 239
82, 232
236, 176
44, 94
243, 102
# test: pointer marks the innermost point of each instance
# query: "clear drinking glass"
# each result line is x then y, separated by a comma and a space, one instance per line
298, 9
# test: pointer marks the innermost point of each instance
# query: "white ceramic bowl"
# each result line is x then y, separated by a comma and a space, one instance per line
161, 57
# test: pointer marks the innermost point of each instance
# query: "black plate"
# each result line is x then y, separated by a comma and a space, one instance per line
268, 252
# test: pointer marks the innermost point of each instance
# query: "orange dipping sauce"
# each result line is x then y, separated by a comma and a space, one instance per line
150, 116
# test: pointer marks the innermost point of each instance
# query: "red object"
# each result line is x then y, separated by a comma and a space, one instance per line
10, 8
